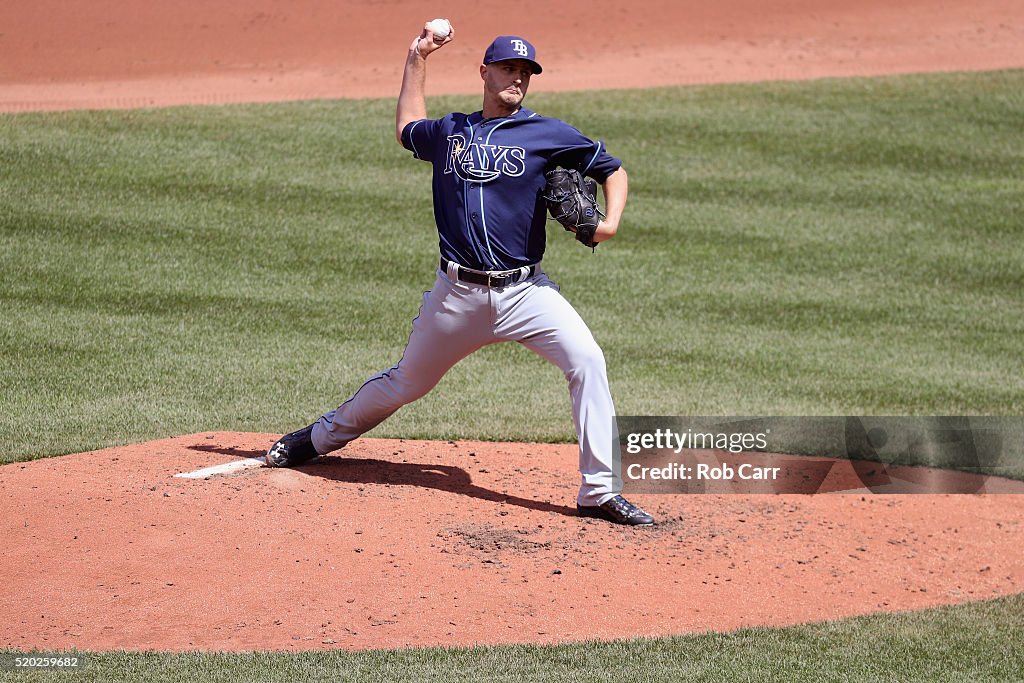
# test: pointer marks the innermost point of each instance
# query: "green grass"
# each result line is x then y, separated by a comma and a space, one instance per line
846, 247
824, 248
972, 643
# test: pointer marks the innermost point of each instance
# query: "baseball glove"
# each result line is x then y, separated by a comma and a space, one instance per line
572, 201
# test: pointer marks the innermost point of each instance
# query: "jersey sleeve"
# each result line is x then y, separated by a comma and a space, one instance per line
420, 138
585, 155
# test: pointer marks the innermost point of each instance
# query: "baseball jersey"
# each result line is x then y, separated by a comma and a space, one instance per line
489, 178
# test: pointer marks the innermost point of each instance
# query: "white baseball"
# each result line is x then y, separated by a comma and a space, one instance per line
440, 28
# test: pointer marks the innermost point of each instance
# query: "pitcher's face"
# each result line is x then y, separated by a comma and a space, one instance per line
506, 82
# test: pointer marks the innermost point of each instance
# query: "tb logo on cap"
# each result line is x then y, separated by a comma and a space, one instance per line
520, 48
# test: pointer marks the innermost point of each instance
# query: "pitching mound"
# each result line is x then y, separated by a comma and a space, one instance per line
411, 543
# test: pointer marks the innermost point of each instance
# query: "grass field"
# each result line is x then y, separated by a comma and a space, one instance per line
836, 247
822, 248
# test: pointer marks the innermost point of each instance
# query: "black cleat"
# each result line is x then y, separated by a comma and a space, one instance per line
292, 449
617, 510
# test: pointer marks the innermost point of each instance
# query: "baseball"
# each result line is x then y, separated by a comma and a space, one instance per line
440, 28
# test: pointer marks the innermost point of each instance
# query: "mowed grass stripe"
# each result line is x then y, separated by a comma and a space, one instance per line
828, 247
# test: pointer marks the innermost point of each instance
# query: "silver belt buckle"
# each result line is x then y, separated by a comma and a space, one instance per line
506, 275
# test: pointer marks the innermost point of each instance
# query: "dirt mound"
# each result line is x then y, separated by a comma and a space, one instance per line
401, 543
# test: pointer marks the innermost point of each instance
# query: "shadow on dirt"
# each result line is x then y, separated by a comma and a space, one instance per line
379, 472
441, 477
236, 452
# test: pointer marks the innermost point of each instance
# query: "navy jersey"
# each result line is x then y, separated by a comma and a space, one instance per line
488, 180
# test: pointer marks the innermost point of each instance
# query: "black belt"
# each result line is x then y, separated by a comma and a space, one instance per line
502, 278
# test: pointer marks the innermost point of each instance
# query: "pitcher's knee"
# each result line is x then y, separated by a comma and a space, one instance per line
586, 362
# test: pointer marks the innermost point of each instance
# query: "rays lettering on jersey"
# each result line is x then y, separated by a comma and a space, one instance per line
480, 163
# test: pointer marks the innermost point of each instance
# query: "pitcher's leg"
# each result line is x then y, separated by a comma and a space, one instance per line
446, 330
541, 319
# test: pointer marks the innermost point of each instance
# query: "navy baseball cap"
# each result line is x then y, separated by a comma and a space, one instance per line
512, 47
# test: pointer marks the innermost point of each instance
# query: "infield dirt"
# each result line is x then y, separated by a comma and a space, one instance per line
118, 54
413, 543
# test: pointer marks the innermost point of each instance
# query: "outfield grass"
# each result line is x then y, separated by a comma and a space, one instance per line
973, 643
824, 248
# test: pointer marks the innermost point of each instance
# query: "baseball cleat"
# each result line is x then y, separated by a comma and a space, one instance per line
292, 449
617, 510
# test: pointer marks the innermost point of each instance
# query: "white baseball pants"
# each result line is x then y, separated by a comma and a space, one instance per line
457, 318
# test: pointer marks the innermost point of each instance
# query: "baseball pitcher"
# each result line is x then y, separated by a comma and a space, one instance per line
491, 196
